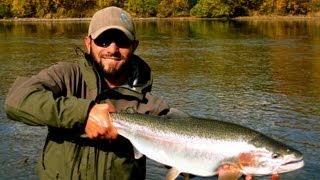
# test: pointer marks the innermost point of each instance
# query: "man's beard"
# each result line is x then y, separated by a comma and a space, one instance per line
114, 73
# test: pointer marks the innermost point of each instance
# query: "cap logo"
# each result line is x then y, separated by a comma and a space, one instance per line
125, 19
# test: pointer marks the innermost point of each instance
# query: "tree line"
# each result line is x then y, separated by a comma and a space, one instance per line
157, 8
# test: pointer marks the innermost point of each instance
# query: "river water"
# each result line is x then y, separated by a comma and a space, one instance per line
261, 74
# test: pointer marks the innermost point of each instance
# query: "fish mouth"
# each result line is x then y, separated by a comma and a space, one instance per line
291, 166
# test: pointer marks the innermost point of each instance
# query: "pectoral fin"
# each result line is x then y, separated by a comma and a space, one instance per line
275, 176
229, 172
173, 173
137, 154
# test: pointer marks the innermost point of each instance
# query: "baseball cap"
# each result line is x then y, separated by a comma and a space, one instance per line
111, 18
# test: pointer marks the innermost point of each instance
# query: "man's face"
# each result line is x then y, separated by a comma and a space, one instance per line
111, 51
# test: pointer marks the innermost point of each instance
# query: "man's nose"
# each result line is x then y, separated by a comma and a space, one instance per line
112, 48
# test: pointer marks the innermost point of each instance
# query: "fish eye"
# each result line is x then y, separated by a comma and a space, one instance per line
275, 155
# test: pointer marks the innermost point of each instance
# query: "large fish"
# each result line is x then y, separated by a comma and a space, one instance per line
206, 147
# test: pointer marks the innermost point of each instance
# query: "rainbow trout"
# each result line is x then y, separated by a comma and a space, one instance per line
206, 147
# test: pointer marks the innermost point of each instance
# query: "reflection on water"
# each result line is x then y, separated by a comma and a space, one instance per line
261, 74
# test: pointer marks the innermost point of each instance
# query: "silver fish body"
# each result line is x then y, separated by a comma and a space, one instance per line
200, 146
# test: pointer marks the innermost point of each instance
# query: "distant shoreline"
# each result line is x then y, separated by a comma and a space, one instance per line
300, 17
43, 19
258, 18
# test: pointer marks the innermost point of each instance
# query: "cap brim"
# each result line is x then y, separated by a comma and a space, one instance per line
101, 30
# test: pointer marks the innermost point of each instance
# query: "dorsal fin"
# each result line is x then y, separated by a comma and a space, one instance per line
130, 110
176, 113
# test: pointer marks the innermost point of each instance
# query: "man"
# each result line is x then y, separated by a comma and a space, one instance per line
72, 99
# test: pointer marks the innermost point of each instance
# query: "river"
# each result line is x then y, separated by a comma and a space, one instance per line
263, 74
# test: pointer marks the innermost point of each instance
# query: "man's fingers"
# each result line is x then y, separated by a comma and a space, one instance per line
111, 109
99, 123
90, 130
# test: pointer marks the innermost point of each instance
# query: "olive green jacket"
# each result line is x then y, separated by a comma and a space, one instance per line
60, 97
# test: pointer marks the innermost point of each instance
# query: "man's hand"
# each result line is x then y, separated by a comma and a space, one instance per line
99, 124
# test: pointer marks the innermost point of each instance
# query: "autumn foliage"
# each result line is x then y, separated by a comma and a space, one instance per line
157, 8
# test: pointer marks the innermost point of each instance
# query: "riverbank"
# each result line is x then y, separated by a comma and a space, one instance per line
315, 16
45, 19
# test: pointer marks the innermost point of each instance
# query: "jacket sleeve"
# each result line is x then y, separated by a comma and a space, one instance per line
50, 98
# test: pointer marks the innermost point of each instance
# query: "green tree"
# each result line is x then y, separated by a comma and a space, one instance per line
144, 8
45, 8
23, 8
296, 7
221, 8
68, 8
181, 7
286, 7
210, 8
314, 6
5, 8
165, 8
106, 3
175, 8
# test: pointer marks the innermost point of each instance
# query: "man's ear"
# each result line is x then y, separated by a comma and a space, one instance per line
87, 42
135, 45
